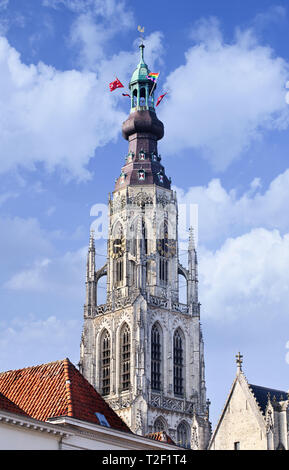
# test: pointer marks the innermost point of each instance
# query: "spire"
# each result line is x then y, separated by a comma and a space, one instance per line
193, 269
142, 129
91, 240
90, 276
142, 62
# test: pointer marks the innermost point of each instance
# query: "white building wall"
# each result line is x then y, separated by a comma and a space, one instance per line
15, 438
240, 424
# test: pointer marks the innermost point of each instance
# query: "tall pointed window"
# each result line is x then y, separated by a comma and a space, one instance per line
178, 363
183, 435
105, 363
160, 424
145, 239
119, 271
117, 248
125, 357
156, 358
163, 251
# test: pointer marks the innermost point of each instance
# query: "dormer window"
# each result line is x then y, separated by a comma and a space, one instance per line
154, 157
102, 420
122, 178
129, 158
141, 175
141, 155
161, 177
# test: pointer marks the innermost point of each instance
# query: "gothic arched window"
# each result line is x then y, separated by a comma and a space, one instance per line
125, 357
117, 252
160, 424
145, 237
163, 250
119, 270
156, 358
183, 435
178, 363
105, 363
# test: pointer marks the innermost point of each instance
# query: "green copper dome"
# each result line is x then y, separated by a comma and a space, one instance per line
141, 71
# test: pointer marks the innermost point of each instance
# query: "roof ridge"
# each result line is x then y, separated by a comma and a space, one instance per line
68, 391
268, 388
33, 367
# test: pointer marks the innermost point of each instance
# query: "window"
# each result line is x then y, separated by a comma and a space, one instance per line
163, 250
132, 273
134, 97
105, 363
142, 100
117, 252
102, 420
145, 239
156, 358
141, 175
183, 435
160, 425
163, 270
237, 445
178, 364
125, 358
119, 271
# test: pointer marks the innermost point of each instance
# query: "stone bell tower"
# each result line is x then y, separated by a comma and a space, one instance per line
143, 349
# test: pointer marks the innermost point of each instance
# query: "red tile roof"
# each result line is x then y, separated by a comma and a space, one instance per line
56, 389
8, 405
160, 436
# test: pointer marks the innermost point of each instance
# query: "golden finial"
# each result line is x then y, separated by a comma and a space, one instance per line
141, 31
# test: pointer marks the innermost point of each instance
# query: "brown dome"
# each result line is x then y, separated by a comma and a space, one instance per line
143, 122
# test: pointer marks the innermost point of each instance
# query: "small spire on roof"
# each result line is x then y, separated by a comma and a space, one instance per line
191, 238
91, 238
239, 361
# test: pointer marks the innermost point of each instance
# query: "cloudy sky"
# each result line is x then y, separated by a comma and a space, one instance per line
225, 66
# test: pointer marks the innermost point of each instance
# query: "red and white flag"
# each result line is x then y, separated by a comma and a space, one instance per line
115, 84
160, 99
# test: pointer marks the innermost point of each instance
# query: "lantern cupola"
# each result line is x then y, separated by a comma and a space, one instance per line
141, 87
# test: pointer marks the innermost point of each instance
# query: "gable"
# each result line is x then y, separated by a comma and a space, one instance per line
241, 421
54, 390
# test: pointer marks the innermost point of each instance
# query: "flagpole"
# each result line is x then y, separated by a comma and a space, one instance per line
154, 85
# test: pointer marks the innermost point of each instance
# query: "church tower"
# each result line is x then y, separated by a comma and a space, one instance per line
143, 349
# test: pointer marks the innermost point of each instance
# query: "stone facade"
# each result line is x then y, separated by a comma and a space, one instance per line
143, 349
254, 418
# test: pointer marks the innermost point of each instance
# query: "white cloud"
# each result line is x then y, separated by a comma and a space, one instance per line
96, 24
224, 97
247, 276
60, 118
31, 340
22, 241
57, 116
62, 275
4, 4
6, 196
223, 213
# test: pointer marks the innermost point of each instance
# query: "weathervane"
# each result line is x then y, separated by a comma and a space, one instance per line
141, 31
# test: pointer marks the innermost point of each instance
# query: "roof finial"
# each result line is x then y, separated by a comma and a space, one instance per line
141, 31
91, 238
191, 238
239, 361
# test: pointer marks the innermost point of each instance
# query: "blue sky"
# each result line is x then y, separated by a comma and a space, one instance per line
225, 66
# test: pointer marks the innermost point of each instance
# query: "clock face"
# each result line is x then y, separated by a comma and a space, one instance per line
117, 247
166, 247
